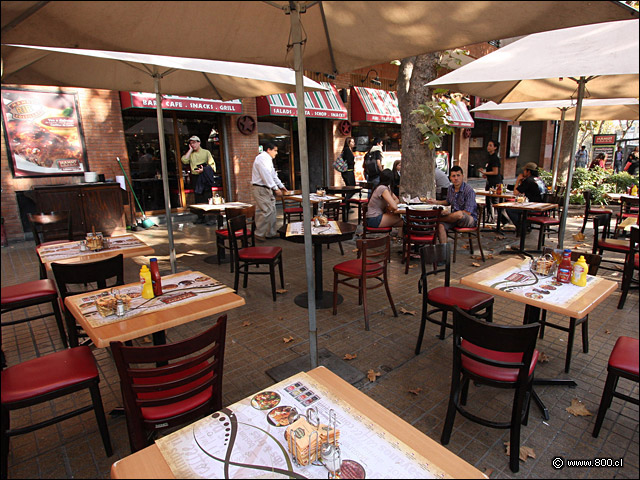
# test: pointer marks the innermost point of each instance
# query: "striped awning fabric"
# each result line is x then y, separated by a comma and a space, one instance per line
459, 115
319, 104
373, 105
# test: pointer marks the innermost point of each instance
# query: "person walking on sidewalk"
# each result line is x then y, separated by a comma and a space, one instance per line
582, 157
266, 186
491, 172
349, 177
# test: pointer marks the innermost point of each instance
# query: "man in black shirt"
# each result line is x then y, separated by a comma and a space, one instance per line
531, 186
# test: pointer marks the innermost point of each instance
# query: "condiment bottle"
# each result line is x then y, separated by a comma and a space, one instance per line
145, 280
119, 308
634, 190
499, 189
564, 269
579, 272
156, 279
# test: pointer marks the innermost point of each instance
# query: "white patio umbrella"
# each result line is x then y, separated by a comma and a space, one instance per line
67, 67
592, 109
601, 60
337, 37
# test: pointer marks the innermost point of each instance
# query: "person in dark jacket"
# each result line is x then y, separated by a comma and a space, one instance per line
491, 172
373, 164
531, 186
349, 177
395, 183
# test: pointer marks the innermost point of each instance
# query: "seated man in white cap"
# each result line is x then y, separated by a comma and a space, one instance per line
197, 158
531, 186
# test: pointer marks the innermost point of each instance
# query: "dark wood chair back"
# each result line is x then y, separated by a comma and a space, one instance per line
192, 371
593, 260
249, 214
430, 257
291, 209
50, 226
366, 229
420, 228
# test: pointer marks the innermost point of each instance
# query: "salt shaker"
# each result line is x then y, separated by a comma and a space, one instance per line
119, 308
331, 459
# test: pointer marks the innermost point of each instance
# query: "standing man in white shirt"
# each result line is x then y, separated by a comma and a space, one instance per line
266, 186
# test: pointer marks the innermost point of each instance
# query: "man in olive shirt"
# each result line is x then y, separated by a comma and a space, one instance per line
197, 158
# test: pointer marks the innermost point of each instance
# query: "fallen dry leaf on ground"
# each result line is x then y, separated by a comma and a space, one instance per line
282, 290
608, 332
490, 257
475, 264
287, 340
407, 312
465, 246
578, 409
371, 375
525, 452
246, 323
543, 357
578, 237
146, 339
415, 391
349, 356
280, 319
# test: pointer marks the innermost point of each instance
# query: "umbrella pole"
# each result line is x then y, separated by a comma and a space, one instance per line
165, 176
576, 129
296, 34
557, 152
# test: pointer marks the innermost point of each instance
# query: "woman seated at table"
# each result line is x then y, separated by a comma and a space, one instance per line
383, 200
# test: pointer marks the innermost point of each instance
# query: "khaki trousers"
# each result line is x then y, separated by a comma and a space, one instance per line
265, 212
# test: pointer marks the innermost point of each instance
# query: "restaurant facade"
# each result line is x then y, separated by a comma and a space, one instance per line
123, 125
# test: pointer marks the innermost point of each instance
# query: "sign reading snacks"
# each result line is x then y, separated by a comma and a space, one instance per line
176, 102
320, 104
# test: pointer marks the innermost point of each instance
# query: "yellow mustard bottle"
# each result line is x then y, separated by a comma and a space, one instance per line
634, 191
145, 280
579, 272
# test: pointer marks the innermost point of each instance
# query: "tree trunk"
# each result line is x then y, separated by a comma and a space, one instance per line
418, 162
566, 154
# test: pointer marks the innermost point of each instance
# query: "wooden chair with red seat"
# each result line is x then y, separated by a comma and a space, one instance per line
371, 265
332, 211
291, 209
245, 256
500, 356
359, 202
630, 266
50, 228
222, 234
589, 211
602, 242
367, 230
31, 294
50, 377
435, 259
546, 222
628, 209
187, 387
420, 228
75, 278
594, 264
471, 232
623, 362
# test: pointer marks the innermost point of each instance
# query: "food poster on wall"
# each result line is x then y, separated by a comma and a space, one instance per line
43, 133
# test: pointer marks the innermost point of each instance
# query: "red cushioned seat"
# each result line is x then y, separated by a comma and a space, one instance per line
293, 210
379, 229
544, 220
465, 229
421, 238
612, 245
464, 298
625, 355
225, 233
354, 268
489, 371
358, 200
46, 374
258, 252
28, 291
599, 211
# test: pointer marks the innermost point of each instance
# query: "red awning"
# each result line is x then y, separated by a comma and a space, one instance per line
176, 102
319, 104
459, 115
372, 105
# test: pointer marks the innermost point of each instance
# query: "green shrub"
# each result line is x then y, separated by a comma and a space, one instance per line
599, 181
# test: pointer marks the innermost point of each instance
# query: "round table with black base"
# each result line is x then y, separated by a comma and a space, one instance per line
324, 298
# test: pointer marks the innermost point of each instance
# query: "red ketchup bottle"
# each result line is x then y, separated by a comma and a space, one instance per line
564, 269
156, 280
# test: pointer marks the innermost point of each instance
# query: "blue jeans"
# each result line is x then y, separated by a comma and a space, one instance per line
374, 222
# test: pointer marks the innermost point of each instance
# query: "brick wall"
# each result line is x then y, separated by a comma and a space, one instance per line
242, 151
104, 140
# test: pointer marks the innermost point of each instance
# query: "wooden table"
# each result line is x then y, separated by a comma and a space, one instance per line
69, 252
525, 208
156, 321
503, 196
324, 298
577, 307
150, 463
202, 209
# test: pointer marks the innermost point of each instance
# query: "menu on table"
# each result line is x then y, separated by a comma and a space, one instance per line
180, 288
297, 228
61, 251
521, 280
247, 439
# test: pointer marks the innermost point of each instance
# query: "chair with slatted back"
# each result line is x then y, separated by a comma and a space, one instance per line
291, 209
435, 259
594, 264
371, 265
332, 211
498, 356
628, 209
222, 234
630, 266
50, 228
420, 228
187, 387
366, 229
471, 232
75, 278
589, 211
551, 219
44, 380
359, 202
245, 256
603, 243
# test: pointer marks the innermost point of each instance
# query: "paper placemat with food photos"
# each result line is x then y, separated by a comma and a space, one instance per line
180, 288
297, 228
521, 280
61, 251
247, 439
